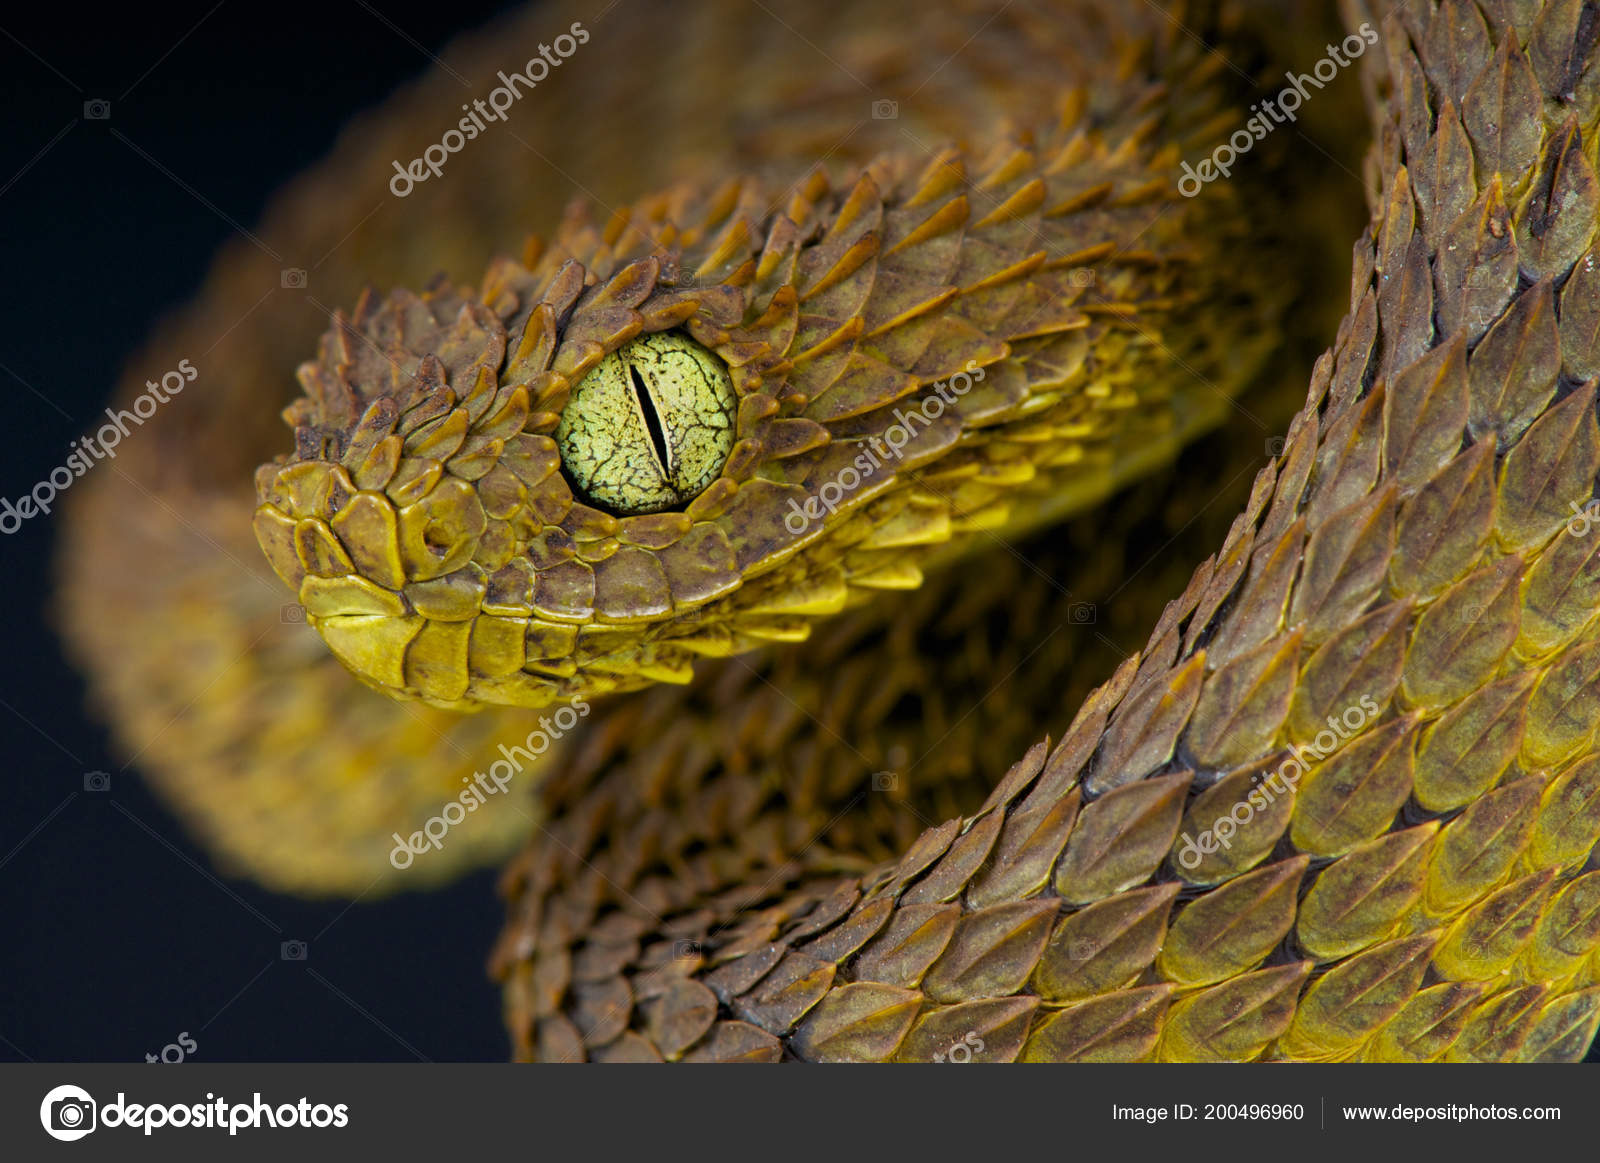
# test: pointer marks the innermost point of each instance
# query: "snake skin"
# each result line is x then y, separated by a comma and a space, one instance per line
436, 546
233, 753
1423, 894
728, 872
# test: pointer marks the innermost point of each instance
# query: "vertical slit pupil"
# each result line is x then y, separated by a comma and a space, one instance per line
652, 421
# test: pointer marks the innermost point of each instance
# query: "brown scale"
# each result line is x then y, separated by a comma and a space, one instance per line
1426, 890
839, 752
229, 700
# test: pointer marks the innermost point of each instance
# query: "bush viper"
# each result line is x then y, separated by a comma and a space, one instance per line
794, 792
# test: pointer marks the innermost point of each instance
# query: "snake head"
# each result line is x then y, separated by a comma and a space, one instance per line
575, 481
702, 428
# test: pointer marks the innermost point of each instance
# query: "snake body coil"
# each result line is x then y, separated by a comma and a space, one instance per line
1344, 802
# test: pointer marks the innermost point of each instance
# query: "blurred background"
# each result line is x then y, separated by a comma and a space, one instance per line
120, 940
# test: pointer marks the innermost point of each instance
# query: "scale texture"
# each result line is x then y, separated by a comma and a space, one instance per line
1385, 680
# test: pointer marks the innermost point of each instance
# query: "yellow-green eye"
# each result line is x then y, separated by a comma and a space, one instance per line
650, 426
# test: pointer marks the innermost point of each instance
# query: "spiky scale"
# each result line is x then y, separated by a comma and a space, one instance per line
1358, 996
1231, 928
1120, 839
1477, 212
1362, 897
1236, 1020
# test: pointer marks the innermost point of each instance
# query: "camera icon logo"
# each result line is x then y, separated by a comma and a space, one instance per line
885, 781
293, 614
884, 109
1275, 445
1081, 614
97, 781
293, 279
97, 109
293, 950
686, 950
68, 1113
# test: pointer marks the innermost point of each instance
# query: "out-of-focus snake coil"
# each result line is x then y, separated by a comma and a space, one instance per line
1344, 804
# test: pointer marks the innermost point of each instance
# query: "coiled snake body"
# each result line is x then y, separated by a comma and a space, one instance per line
1343, 803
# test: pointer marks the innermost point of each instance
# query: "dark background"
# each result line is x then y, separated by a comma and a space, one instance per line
116, 936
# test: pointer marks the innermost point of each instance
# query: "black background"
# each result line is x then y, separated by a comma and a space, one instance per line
112, 942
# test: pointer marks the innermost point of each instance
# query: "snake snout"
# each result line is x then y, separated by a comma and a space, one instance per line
393, 589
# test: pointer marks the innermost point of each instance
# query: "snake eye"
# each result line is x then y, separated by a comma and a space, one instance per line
650, 426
